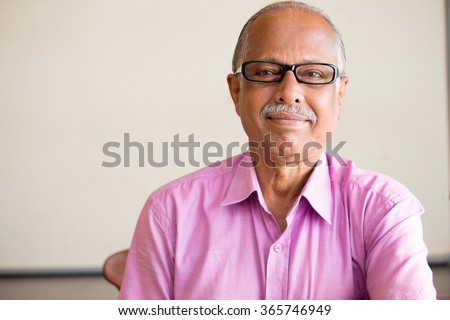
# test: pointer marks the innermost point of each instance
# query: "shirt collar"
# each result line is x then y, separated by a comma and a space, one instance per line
243, 183
317, 189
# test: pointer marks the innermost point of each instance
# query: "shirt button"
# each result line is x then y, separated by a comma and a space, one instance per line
277, 248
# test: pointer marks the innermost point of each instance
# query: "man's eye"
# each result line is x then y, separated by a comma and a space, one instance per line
314, 74
266, 72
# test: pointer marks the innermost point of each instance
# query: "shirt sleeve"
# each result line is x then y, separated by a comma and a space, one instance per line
396, 262
149, 269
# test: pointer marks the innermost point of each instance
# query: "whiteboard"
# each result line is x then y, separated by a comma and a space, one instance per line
78, 75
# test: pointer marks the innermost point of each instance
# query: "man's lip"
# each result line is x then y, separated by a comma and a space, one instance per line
286, 116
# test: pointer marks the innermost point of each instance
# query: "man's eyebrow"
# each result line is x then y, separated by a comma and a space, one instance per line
307, 60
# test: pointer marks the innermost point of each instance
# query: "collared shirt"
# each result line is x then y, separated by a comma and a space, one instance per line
352, 234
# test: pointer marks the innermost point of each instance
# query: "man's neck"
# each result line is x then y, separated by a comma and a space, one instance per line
281, 183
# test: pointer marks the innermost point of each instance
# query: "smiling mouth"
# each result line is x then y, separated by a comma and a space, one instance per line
291, 117
288, 114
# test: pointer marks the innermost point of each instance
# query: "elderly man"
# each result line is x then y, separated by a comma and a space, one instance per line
286, 220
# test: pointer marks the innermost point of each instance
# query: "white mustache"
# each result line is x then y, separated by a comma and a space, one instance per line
278, 107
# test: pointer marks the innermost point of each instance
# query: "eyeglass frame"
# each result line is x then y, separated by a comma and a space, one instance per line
290, 67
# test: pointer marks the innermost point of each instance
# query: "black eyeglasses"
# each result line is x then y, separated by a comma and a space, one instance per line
271, 71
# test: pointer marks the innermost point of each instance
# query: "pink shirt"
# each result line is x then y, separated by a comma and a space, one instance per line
352, 234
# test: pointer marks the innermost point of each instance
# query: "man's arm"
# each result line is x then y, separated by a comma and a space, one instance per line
396, 263
149, 269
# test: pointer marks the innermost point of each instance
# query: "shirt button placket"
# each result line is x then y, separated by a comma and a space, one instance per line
277, 248
277, 265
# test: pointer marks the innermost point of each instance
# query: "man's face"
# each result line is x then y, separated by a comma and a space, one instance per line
289, 37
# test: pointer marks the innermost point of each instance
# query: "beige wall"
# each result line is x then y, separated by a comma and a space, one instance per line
75, 75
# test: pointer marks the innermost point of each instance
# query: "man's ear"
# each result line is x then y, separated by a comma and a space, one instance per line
234, 87
342, 88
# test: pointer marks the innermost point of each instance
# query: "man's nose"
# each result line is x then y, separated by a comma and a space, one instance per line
289, 90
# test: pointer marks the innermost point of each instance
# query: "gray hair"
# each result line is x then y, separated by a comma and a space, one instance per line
270, 108
242, 43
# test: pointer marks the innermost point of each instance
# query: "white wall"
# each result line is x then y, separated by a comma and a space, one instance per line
75, 75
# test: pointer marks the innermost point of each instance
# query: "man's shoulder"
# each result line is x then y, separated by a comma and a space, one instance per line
211, 178
351, 179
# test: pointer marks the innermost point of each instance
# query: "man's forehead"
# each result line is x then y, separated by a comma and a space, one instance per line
290, 29
292, 34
